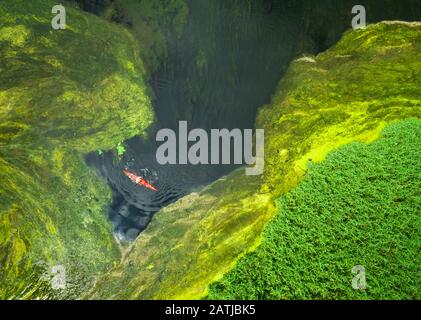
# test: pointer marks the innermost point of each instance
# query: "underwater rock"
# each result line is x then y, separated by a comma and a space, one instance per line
124, 211
224, 64
349, 93
132, 233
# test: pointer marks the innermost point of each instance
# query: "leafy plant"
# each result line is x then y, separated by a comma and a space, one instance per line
121, 149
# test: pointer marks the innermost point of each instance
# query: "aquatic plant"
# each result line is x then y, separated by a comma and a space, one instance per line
151, 22
120, 149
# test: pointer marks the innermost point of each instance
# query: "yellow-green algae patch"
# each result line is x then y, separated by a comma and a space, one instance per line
63, 93
349, 93
360, 207
190, 242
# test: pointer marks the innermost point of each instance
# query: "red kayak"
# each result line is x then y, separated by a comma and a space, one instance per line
139, 180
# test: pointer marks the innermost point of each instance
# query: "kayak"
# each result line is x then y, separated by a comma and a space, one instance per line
139, 180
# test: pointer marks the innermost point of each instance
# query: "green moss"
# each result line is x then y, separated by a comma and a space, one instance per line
323, 102
59, 99
189, 243
361, 206
56, 104
346, 94
16, 36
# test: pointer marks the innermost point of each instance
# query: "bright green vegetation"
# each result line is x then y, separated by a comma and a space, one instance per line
189, 242
345, 94
62, 94
349, 93
121, 149
66, 93
361, 206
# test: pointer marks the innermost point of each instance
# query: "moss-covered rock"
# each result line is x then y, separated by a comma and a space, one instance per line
348, 93
345, 94
62, 94
65, 93
190, 242
359, 207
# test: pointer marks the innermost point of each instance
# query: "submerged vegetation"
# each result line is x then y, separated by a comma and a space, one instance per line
151, 22
60, 99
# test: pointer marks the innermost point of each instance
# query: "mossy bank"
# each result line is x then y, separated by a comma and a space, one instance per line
357, 210
69, 92
348, 93
62, 94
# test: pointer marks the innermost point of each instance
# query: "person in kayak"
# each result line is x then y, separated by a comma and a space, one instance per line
139, 180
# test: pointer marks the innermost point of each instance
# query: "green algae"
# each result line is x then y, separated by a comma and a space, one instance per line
187, 243
346, 94
121, 149
349, 93
62, 94
201, 237
361, 206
